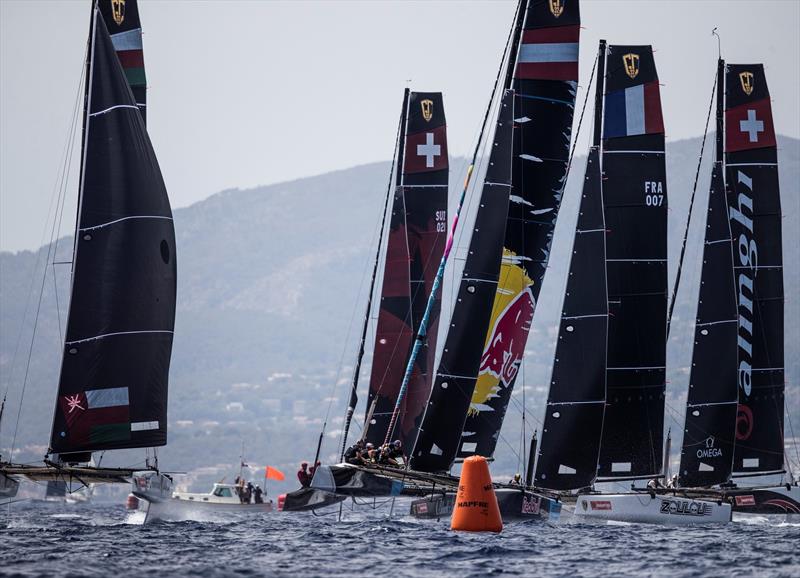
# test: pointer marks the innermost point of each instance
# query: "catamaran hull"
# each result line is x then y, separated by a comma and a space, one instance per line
645, 509
770, 500
514, 505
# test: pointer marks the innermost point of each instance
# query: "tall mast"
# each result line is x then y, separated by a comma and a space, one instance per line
598, 95
398, 168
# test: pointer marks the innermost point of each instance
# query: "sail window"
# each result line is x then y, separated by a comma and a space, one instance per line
470, 288
696, 413
73, 350
87, 237
556, 414
444, 385
165, 251
704, 332
570, 328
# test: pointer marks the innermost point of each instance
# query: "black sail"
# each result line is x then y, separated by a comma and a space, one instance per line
439, 434
635, 203
113, 384
417, 234
708, 435
544, 80
123, 24
573, 421
754, 210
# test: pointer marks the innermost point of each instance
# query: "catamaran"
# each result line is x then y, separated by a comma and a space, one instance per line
735, 408
112, 391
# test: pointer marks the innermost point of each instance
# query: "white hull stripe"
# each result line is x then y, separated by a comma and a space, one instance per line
450, 375
491, 184
115, 334
125, 219
582, 231
728, 240
116, 106
476, 280
575, 402
130, 40
112, 397
549, 52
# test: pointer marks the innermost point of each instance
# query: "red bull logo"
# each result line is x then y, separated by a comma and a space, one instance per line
503, 356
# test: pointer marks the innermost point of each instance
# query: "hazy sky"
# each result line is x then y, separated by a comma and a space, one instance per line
243, 93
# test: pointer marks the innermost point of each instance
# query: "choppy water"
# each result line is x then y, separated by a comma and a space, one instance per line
45, 539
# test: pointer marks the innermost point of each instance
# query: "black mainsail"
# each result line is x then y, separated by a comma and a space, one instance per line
635, 208
711, 404
544, 81
417, 233
113, 386
754, 209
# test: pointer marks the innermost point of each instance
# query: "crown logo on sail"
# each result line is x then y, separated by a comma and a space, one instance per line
746, 78
631, 61
118, 11
427, 109
556, 7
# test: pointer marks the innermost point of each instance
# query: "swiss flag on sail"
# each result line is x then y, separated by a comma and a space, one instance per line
426, 151
749, 126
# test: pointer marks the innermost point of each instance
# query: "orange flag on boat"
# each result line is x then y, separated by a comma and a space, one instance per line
274, 474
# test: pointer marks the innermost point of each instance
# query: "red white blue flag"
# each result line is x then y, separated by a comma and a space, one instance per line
633, 111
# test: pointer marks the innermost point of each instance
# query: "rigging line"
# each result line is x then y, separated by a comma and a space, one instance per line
57, 195
357, 370
691, 205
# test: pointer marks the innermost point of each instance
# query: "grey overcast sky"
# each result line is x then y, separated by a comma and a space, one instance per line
244, 93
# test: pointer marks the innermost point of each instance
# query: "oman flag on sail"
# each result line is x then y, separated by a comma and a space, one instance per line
100, 416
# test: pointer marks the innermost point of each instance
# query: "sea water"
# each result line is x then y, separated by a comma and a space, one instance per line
56, 539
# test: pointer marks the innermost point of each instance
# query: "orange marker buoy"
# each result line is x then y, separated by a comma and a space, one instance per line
476, 508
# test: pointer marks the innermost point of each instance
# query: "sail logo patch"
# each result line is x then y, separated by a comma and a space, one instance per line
531, 505
709, 451
118, 11
746, 80
430, 150
427, 109
504, 348
741, 217
749, 126
633, 111
685, 508
556, 7
631, 62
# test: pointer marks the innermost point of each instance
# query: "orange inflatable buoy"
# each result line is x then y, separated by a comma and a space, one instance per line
476, 508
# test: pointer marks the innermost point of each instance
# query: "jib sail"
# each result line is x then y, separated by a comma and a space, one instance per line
113, 384
754, 209
635, 206
708, 434
544, 82
417, 233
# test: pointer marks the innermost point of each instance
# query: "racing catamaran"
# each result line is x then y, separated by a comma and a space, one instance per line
735, 409
112, 391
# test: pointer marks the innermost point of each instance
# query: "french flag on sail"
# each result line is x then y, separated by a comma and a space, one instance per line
633, 111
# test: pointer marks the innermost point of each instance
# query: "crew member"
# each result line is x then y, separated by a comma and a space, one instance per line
303, 475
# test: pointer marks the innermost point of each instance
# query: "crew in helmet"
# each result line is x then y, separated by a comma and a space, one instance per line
303, 475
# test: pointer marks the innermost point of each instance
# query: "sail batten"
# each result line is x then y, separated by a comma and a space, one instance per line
118, 339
